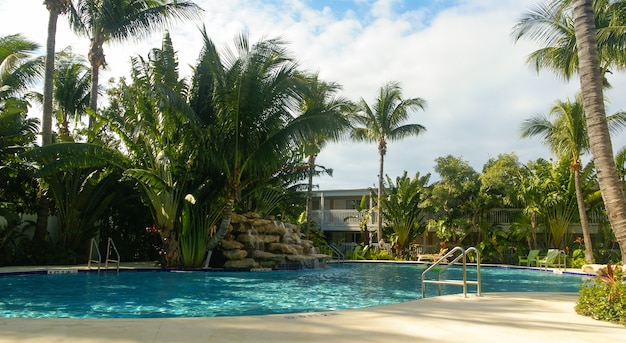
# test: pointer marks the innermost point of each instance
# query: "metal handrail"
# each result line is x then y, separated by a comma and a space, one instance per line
443, 268
94, 244
108, 259
340, 256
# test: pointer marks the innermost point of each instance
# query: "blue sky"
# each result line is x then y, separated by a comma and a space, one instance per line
457, 55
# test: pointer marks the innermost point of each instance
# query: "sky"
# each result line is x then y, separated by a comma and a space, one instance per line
457, 55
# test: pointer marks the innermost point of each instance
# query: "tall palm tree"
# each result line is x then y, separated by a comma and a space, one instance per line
55, 8
591, 81
104, 21
319, 97
384, 122
551, 25
567, 137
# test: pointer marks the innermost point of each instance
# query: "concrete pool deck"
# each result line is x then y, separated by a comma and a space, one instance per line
493, 317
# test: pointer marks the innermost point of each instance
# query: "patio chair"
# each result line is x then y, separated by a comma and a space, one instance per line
432, 257
554, 258
530, 259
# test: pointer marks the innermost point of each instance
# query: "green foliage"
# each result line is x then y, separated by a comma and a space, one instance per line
196, 224
455, 202
498, 181
380, 255
12, 235
578, 258
402, 208
81, 188
359, 252
604, 297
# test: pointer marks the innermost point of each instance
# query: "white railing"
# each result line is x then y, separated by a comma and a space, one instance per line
340, 218
350, 219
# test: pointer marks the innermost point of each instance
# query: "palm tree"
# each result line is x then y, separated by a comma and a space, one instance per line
72, 83
384, 122
319, 97
18, 71
566, 137
104, 21
591, 81
551, 25
55, 8
247, 100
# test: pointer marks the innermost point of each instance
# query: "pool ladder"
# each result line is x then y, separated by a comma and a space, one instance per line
335, 251
444, 265
110, 249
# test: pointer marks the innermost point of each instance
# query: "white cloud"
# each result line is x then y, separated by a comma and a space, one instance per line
457, 55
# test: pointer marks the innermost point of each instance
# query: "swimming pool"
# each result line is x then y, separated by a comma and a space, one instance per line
158, 294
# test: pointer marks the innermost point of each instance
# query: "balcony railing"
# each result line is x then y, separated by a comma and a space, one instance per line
348, 220
340, 219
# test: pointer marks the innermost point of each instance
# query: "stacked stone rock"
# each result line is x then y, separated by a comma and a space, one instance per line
253, 242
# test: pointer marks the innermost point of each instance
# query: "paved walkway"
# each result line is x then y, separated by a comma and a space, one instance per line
494, 317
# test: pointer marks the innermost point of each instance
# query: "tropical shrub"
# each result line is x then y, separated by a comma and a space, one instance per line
604, 297
381, 255
402, 209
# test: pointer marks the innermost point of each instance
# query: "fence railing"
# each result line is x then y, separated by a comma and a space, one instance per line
350, 219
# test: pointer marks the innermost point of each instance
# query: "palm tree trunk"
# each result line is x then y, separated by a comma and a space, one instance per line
379, 218
599, 139
41, 227
96, 59
533, 228
309, 194
46, 119
582, 214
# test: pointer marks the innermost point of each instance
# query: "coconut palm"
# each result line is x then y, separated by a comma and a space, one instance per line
104, 21
55, 8
384, 122
247, 99
567, 138
319, 97
551, 25
19, 71
71, 90
591, 81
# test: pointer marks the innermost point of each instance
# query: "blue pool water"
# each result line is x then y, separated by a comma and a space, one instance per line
156, 294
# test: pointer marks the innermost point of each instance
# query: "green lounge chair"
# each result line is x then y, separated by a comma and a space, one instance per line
529, 260
554, 258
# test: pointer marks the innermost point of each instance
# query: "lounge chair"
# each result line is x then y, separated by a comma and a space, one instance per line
554, 258
529, 260
432, 257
